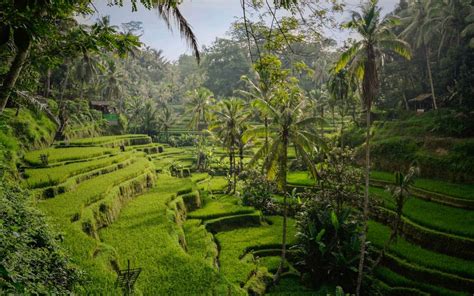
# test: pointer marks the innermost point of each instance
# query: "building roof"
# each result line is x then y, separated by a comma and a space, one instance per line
100, 103
420, 98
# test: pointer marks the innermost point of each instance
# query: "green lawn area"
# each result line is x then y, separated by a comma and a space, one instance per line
379, 233
66, 154
301, 178
432, 215
465, 191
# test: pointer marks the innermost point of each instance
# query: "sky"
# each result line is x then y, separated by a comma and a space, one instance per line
209, 19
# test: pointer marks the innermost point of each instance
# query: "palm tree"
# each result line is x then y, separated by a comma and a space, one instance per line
198, 104
341, 86
166, 120
31, 27
289, 125
229, 119
262, 91
420, 30
361, 59
149, 118
113, 85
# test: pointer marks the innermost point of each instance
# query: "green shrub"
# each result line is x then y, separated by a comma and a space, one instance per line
328, 244
32, 261
258, 192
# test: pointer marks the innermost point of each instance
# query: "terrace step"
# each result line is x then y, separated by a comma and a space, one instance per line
432, 196
108, 141
72, 182
397, 284
438, 241
227, 223
423, 274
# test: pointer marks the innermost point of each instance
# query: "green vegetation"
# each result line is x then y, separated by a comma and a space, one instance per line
435, 216
55, 155
379, 233
238, 170
464, 191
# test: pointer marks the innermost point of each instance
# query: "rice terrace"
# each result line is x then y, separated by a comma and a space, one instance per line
274, 147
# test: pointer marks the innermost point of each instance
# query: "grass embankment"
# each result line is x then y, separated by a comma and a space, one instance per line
41, 177
70, 210
234, 244
379, 233
55, 155
147, 236
463, 191
110, 141
432, 215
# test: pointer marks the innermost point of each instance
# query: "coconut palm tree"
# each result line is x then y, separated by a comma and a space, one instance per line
341, 86
166, 120
31, 27
198, 104
361, 60
289, 125
262, 91
229, 119
419, 31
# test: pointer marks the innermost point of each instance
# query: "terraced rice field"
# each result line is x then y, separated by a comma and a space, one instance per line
187, 236
190, 238
428, 259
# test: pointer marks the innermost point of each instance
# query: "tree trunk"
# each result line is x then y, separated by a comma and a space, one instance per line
366, 204
241, 161
430, 76
282, 172
234, 165
47, 83
407, 107
370, 86
231, 169
12, 75
342, 132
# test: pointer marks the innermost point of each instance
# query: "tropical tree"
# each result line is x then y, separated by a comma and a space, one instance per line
198, 105
419, 31
229, 119
361, 59
113, 85
166, 120
28, 23
269, 76
149, 118
288, 126
341, 87
400, 191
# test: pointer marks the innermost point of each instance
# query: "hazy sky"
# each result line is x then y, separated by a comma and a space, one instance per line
209, 19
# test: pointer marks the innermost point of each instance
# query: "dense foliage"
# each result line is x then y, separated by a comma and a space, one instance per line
32, 261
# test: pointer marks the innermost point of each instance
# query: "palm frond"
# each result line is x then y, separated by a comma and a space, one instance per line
167, 10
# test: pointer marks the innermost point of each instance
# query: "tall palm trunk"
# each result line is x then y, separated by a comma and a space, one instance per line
241, 156
12, 75
47, 83
282, 172
430, 76
231, 168
369, 91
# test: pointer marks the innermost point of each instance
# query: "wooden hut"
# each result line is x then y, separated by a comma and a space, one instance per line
421, 103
